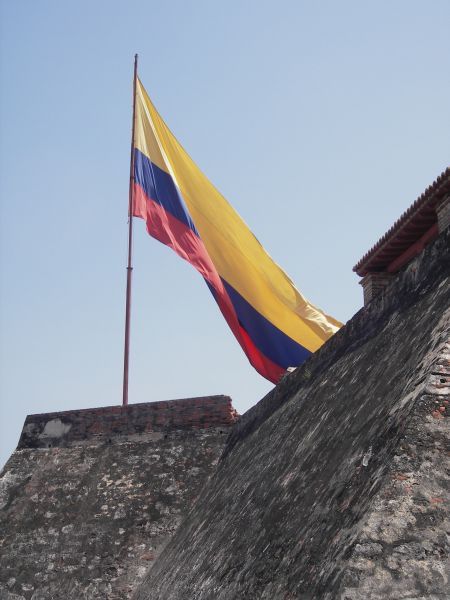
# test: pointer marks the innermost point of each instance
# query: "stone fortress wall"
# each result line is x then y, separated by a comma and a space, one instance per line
90, 497
336, 485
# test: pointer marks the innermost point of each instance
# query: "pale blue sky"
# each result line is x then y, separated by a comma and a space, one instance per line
321, 122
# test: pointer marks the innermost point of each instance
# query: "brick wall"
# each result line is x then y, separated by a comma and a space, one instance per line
373, 284
61, 428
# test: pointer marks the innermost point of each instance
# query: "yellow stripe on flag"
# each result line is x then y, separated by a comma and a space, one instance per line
238, 256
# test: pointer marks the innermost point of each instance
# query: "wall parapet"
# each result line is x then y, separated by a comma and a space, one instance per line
67, 427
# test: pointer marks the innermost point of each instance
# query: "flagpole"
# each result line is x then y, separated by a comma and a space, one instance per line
126, 355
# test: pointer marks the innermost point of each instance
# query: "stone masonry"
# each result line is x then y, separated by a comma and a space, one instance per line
335, 486
402, 548
91, 497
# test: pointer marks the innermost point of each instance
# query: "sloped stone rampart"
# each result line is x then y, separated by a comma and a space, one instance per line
90, 498
402, 548
336, 485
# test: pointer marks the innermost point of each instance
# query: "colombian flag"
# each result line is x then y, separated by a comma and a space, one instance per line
275, 325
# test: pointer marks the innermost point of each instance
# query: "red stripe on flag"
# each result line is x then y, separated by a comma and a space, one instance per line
175, 234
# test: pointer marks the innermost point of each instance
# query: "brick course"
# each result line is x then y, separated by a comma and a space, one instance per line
59, 429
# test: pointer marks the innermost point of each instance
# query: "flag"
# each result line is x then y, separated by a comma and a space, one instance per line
275, 325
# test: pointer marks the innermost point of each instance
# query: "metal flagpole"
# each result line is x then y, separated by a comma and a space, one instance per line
130, 248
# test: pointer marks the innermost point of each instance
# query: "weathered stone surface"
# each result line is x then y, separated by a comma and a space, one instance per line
409, 520
336, 485
86, 517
